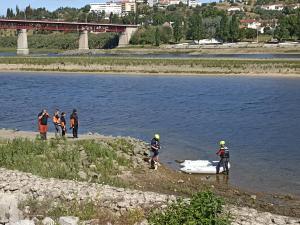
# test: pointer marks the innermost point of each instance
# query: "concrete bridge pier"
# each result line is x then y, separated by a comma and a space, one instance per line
84, 40
126, 36
22, 45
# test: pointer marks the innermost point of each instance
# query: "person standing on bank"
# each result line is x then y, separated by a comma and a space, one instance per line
43, 123
155, 146
74, 123
224, 158
56, 122
63, 124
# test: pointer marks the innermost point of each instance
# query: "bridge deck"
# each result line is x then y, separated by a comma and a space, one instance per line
62, 25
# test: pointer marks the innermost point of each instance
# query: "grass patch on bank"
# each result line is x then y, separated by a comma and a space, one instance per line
97, 161
112, 61
84, 210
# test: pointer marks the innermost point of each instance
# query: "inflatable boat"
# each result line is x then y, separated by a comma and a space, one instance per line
201, 166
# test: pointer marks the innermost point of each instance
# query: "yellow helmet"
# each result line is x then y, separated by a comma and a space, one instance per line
156, 136
222, 142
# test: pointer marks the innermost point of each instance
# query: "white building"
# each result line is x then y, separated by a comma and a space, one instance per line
194, 3
234, 9
277, 7
108, 8
252, 24
128, 7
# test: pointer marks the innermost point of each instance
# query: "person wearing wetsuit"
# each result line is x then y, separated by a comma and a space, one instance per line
74, 123
43, 123
224, 158
155, 146
63, 124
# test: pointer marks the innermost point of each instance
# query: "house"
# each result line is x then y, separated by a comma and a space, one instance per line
250, 23
234, 9
276, 7
107, 7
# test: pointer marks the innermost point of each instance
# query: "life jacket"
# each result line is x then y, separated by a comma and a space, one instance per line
224, 152
155, 144
62, 122
73, 120
55, 119
44, 120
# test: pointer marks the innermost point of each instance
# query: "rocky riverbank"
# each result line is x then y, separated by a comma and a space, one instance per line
85, 191
16, 187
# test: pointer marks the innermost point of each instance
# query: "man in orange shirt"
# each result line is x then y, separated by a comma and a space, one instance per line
56, 122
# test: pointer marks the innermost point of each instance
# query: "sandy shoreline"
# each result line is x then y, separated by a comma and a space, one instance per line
130, 73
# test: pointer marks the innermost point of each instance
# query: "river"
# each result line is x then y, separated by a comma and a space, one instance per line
259, 117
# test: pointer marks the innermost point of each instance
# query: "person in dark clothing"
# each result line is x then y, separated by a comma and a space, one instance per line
155, 146
224, 158
74, 123
43, 123
56, 122
63, 124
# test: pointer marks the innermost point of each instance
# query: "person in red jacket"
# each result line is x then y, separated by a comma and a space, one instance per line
224, 158
43, 123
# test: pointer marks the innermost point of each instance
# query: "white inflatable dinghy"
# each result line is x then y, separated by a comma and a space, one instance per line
200, 166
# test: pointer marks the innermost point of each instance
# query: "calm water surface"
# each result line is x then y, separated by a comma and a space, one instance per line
259, 117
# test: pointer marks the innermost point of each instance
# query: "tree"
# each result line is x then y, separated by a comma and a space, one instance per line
17, 10
195, 29
177, 30
9, 13
157, 37
166, 34
223, 29
234, 29
281, 32
297, 28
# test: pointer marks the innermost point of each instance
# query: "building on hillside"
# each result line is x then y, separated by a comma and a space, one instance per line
107, 7
296, 6
128, 6
152, 3
235, 9
275, 7
194, 3
118, 8
164, 3
252, 24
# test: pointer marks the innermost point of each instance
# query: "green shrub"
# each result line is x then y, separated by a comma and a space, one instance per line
204, 208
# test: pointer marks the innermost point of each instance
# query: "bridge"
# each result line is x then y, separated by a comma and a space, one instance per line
125, 31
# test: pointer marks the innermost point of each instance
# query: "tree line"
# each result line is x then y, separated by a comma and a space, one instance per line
177, 22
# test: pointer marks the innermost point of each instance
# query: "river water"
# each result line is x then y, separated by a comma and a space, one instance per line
259, 117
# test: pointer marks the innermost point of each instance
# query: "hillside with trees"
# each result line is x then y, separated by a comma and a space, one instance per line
177, 23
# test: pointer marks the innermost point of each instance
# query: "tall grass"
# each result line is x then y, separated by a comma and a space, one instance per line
112, 61
63, 160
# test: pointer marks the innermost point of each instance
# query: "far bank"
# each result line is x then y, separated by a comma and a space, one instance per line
165, 66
